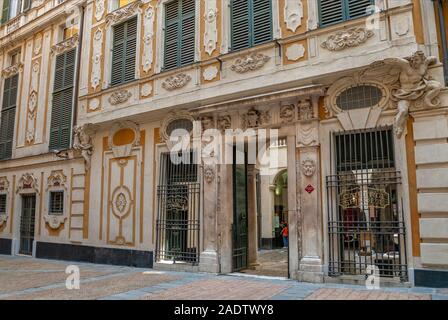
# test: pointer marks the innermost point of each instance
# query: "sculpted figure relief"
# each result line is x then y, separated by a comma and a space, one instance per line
83, 142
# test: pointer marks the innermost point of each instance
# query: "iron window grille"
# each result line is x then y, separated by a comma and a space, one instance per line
366, 226
2, 203
56, 202
178, 224
358, 97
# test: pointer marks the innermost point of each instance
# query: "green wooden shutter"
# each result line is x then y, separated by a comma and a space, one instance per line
5, 11
26, 5
357, 8
179, 33
62, 106
124, 52
8, 116
331, 11
251, 23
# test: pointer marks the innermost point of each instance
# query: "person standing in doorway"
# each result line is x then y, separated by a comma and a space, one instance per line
285, 235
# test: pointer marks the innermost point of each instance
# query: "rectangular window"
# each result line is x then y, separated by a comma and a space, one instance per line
334, 11
124, 52
61, 112
179, 33
15, 58
251, 23
70, 32
2, 203
8, 115
120, 3
56, 202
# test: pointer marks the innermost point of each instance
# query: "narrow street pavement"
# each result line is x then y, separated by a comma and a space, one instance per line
28, 278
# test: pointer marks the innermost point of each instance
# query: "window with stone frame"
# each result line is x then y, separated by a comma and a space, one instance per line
56, 203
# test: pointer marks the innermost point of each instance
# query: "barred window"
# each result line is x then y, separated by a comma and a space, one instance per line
184, 124
2, 203
359, 97
56, 202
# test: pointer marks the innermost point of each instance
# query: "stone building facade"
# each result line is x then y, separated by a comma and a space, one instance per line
355, 92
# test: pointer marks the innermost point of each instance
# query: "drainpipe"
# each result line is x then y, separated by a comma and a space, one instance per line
78, 69
444, 40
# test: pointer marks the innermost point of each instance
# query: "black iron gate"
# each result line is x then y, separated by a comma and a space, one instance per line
240, 223
27, 224
177, 224
365, 215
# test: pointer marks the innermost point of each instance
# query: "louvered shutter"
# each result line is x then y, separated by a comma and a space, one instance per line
251, 23
61, 112
262, 21
179, 33
124, 52
357, 8
8, 115
26, 5
331, 11
5, 11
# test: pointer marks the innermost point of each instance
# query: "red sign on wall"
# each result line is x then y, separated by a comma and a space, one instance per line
309, 188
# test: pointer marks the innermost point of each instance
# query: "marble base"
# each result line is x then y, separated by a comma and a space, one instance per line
311, 270
209, 261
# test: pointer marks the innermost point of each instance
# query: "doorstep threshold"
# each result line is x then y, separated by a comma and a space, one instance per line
246, 275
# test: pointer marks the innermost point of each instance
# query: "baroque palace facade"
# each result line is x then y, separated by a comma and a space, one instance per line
91, 91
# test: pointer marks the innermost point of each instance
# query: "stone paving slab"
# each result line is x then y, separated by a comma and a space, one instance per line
349, 294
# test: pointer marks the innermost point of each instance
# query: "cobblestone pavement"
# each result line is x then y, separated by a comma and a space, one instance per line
28, 278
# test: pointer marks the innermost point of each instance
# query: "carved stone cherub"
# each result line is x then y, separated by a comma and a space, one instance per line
415, 83
83, 142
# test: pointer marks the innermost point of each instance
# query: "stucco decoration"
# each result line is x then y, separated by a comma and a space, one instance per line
177, 81
37, 44
32, 102
210, 73
255, 118
305, 110
295, 51
94, 104
148, 21
287, 113
57, 179
124, 150
224, 123
12, 70
3, 219
251, 62
307, 135
308, 167
410, 84
99, 9
54, 221
209, 174
95, 77
123, 13
27, 183
352, 37
83, 142
119, 97
4, 184
211, 32
146, 90
293, 14
401, 25
207, 122
65, 45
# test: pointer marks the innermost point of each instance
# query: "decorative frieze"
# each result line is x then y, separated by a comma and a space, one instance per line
287, 113
251, 62
95, 77
305, 110
27, 182
352, 37
293, 14
119, 97
255, 118
12, 70
123, 13
65, 45
57, 179
148, 22
224, 123
211, 31
177, 81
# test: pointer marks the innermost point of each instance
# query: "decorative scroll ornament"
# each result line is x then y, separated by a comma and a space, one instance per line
293, 14
377, 198
287, 113
251, 62
411, 85
57, 179
95, 77
12, 70
65, 45
352, 37
54, 221
119, 97
4, 184
99, 9
176, 81
211, 32
308, 167
27, 182
209, 174
123, 13
148, 21
3, 219
83, 142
